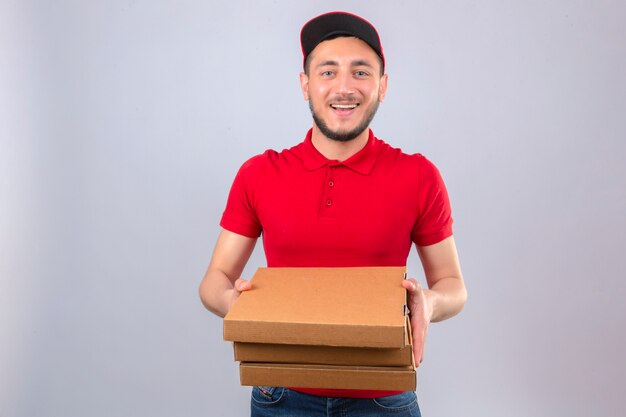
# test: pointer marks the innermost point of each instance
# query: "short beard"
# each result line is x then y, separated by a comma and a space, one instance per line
345, 135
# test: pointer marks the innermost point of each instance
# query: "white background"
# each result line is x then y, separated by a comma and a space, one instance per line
122, 124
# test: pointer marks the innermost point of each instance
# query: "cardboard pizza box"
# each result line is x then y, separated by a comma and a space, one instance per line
322, 355
325, 355
351, 307
328, 376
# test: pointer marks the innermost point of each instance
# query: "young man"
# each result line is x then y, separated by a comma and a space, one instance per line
341, 198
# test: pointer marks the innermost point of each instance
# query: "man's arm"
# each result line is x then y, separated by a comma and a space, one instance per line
222, 284
446, 293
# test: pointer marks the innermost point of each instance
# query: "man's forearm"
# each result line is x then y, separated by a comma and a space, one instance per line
447, 297
216, 292
218, 287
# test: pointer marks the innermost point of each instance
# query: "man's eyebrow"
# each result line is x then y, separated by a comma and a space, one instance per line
361, 63
327, 63
355, 63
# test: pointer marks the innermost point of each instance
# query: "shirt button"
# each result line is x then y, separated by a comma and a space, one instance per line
329, 202
331, 184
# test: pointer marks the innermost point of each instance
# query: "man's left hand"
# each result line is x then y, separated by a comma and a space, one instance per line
421, 310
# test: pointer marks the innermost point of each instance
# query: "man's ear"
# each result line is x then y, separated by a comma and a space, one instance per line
304, 85
382, 88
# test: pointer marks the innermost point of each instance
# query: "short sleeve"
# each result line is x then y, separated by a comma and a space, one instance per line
240, 215
434, 220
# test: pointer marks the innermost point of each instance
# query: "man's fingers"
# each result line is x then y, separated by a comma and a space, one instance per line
411, 284
418, 356
419, 341
419, 319
419, 325
242, 285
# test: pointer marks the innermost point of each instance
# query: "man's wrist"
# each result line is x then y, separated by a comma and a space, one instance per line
430, 296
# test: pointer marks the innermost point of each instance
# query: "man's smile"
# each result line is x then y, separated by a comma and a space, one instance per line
344, 106
344, 109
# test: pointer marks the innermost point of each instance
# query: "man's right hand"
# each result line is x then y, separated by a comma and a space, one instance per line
240, 286
221, 285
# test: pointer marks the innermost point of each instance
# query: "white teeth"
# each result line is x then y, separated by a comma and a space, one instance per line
344, 106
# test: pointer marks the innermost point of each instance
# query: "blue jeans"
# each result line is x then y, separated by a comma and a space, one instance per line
283, 402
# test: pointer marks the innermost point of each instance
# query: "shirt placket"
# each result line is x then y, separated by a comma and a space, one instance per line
328, 205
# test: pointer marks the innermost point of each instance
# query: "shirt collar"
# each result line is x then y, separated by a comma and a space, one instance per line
361, 162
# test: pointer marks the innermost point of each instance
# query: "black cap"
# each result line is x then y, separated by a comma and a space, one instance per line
333, 24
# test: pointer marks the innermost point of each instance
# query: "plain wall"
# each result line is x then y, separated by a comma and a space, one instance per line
122, 124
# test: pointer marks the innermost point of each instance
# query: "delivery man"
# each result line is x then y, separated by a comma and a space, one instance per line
340, 198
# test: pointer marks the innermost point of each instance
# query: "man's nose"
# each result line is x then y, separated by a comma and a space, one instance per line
345, 83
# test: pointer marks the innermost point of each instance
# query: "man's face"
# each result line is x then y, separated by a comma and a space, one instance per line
343, 86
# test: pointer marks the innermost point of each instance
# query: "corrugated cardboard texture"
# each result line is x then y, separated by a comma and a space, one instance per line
325, 376
359, 307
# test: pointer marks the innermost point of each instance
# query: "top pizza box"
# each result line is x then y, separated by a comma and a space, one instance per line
358, 307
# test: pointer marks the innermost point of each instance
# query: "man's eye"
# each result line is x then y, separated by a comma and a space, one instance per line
327, 73
361, 73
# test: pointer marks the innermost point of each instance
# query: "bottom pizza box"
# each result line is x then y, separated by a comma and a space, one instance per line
400, 378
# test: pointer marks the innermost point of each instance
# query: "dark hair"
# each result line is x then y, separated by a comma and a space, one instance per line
307, 62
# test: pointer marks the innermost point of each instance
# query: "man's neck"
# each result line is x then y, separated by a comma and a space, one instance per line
336, 150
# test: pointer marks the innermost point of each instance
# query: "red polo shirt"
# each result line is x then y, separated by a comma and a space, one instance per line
316, 212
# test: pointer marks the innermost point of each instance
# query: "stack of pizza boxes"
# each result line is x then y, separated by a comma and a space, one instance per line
338, 328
